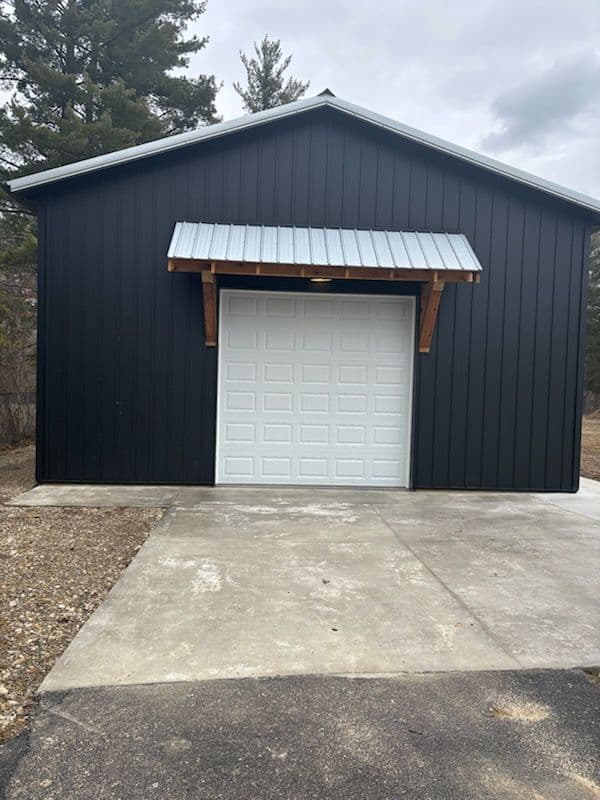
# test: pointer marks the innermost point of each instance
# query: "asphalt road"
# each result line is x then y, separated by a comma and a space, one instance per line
531, 735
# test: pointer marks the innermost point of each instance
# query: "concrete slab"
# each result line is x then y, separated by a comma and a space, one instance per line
60, 494
191, 496
229, 609
586, 502
475, 736
304, 581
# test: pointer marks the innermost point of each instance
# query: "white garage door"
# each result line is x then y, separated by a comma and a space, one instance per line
314, 389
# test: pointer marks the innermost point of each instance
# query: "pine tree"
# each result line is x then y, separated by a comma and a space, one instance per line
89, 76
82, 78
266, 85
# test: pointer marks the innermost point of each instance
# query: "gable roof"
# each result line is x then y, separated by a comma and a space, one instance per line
250, 121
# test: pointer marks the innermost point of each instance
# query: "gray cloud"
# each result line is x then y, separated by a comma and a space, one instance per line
545, 104
481, 73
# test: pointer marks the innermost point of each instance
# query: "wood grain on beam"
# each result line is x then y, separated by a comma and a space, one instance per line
316, 271
209, 298
431, 293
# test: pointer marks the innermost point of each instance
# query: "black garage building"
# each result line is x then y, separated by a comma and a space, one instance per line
350, 302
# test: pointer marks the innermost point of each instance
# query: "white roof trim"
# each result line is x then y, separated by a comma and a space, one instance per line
334, 247
282, 112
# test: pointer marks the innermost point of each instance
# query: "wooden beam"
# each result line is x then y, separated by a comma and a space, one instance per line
318, 271
209, 299
431, 293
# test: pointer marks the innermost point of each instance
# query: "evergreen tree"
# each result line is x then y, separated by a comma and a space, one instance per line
592, 354
86, 77
266, 85
81, 78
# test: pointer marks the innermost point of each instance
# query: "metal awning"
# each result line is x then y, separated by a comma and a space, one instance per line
333, 247
323, 254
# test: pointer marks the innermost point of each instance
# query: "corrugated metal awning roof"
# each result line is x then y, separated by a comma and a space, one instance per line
334, 247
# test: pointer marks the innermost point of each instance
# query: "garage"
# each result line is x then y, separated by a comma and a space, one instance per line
314, 389
314, 295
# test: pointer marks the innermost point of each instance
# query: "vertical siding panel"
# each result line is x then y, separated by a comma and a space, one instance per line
214, 187
402, 191
52, 309
526, 350
73, 344
41, 340
478, 343
384, 201
350, 205
440, 359
162, 328
368, 184
232, 183
541, 365
182, 337
418, 195
436, 205
558, 355
334, 178
284, 189
318, 167
493, 355
144, 325
126, 400
301, 175
249, 184
92, 390
510, 344
266, 182
464, 220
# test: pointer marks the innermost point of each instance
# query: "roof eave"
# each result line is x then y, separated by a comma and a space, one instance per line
168, 144
164, 145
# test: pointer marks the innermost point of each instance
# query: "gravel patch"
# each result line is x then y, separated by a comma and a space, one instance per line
17, 471
58, 566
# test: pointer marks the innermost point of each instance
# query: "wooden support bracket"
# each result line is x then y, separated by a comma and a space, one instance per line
209, 298
431, 293
431, 285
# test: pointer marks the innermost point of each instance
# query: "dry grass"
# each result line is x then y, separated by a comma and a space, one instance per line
590, 447
58, 565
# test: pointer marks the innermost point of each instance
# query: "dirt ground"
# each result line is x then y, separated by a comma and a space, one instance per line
58, 564
590, 447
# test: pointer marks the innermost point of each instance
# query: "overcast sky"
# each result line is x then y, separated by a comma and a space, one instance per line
516, 79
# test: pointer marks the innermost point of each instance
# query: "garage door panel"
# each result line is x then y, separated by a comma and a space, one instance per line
278, 401
315, 373
278, 373
305, 397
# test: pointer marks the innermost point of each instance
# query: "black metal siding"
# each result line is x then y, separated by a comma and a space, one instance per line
128, 390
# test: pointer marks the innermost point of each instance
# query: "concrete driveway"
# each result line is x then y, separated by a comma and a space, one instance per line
258, 582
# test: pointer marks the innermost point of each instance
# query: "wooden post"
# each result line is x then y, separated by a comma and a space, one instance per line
431, 293
209, 297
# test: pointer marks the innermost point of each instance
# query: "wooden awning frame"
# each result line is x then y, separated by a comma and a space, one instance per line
433, 282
